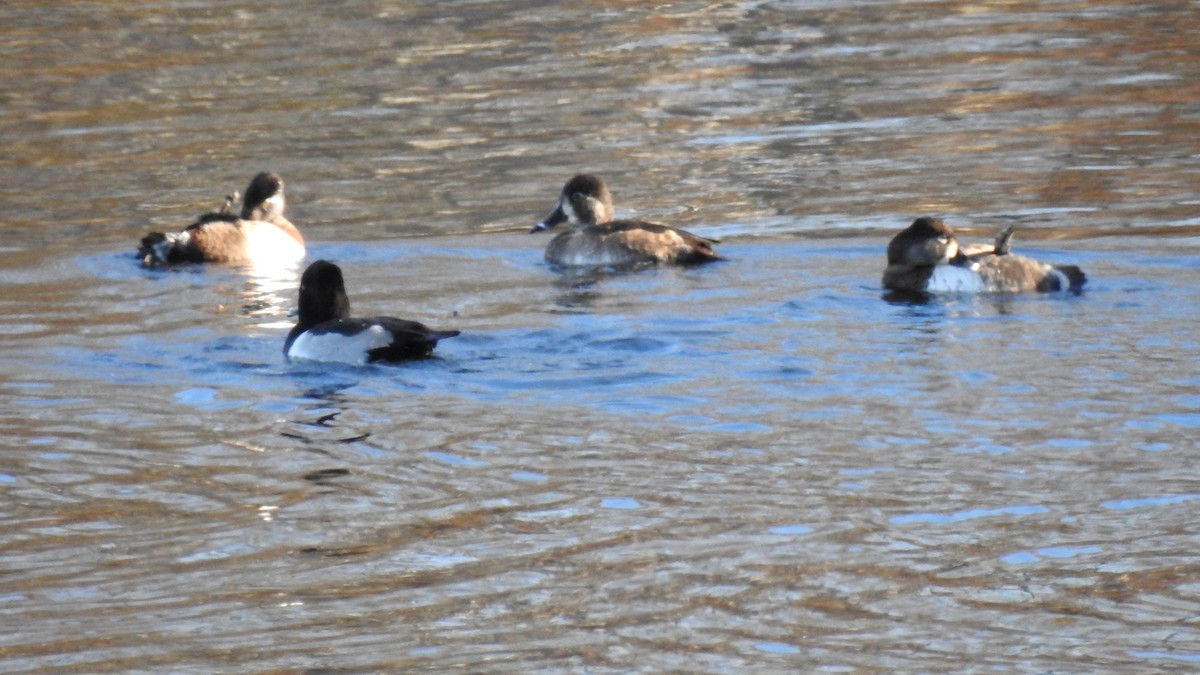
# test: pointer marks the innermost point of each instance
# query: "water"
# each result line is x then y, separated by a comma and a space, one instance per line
760, 465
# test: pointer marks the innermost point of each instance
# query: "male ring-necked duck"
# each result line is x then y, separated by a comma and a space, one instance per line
260, 234
926, 256
596, 240
325, 331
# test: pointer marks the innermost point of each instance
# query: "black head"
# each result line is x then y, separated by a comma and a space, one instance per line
264, 197
928, 241
584, 200
322, 294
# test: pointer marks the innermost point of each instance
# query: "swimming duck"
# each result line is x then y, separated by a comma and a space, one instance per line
596, 240
926, 256
260, 234
325, 331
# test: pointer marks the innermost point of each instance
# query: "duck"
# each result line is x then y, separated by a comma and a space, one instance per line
926, 257
325, 332
260, 234
597, 240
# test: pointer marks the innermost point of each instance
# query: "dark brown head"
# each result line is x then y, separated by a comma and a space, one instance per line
585, 200
322, 294
928, 241
264, 198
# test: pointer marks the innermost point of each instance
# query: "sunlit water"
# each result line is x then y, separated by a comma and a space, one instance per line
764, 464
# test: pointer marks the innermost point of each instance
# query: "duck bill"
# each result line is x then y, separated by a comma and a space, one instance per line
556, 217
955, 255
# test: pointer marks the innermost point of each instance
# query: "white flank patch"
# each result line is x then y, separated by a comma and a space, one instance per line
583, 260
1064, 283
163, 248
338, 348
588, 257
267, 245
952, 279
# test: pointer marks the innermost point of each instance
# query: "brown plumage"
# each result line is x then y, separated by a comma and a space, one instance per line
926, 256
259, 234
596, 240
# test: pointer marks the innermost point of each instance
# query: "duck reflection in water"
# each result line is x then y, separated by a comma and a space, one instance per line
329, 402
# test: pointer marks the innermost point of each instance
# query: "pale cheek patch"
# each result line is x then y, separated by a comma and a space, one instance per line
951, 279
951, 251
275, 204
337, 348
600, 213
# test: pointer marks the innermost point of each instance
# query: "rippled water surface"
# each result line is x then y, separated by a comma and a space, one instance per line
762, 465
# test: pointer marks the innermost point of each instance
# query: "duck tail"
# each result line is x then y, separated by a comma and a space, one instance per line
1004, 241
701, 251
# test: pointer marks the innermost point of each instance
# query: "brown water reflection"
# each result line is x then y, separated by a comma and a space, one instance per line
759, 466
404, 118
